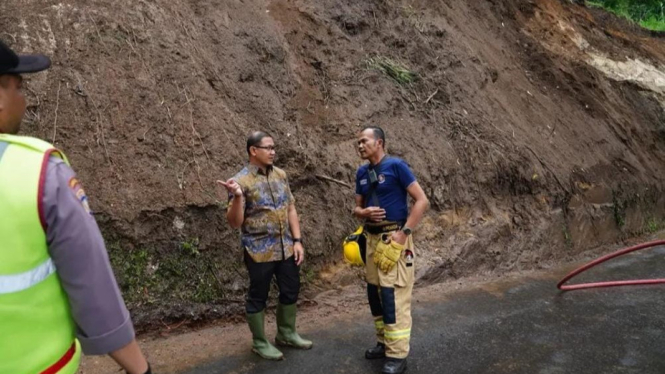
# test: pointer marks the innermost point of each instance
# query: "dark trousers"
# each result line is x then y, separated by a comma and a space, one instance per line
287, 274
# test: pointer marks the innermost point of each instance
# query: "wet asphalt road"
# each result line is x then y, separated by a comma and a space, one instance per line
528, 327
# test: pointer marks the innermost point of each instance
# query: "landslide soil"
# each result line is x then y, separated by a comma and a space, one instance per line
530, 156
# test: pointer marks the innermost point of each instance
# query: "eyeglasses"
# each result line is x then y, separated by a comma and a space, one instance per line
269, 148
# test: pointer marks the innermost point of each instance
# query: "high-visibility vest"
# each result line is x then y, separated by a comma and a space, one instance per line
36, 325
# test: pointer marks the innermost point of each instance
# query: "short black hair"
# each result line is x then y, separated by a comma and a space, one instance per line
255, 138
378, 133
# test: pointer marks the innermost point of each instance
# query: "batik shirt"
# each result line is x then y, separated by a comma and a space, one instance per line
265, 232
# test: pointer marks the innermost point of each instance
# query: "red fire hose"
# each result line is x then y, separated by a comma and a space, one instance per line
610, 283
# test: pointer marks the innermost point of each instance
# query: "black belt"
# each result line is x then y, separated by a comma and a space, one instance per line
382, 228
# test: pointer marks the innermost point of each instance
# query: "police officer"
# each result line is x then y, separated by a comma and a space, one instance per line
382, 189
58, 295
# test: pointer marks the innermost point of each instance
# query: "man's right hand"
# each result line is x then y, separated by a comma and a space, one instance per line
232, 186
374, 213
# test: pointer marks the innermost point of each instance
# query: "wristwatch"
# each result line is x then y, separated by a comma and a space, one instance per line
297, 240
406, 230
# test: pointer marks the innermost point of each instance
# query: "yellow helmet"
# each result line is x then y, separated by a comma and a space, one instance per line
355, 246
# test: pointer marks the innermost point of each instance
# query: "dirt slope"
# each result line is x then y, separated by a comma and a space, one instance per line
536, 128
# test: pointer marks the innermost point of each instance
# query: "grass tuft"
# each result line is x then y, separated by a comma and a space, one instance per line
398, 72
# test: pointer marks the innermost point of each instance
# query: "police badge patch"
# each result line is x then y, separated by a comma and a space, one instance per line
74, 183
76, 187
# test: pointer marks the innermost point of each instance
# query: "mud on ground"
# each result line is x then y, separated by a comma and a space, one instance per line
529, 124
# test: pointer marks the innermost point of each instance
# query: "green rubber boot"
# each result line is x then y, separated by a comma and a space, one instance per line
286, 328
260, 345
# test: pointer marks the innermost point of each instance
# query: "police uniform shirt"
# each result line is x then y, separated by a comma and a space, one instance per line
77, 249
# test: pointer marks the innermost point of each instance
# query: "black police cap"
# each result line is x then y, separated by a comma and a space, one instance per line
11, 63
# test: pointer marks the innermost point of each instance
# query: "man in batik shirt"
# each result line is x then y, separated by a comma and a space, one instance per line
262, 207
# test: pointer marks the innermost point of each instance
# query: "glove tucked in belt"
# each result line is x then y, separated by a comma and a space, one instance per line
387, 255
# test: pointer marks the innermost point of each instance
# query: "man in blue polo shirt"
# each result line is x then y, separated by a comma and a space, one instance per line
382, 190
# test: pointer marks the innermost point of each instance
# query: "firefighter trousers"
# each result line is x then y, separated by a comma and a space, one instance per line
389, 296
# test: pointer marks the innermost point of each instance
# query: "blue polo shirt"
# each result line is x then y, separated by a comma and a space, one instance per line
393, 178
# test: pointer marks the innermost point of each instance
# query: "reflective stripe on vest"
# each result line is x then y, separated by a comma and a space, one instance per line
27, 279
3, 148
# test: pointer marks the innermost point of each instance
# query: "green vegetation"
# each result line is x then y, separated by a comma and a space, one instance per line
650, 14
652, 225
566, 236
131, 270
152, 277
191, 246
400, 73
619, 210
307, 274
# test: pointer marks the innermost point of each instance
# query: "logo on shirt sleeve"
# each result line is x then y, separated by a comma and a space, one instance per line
77, 188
